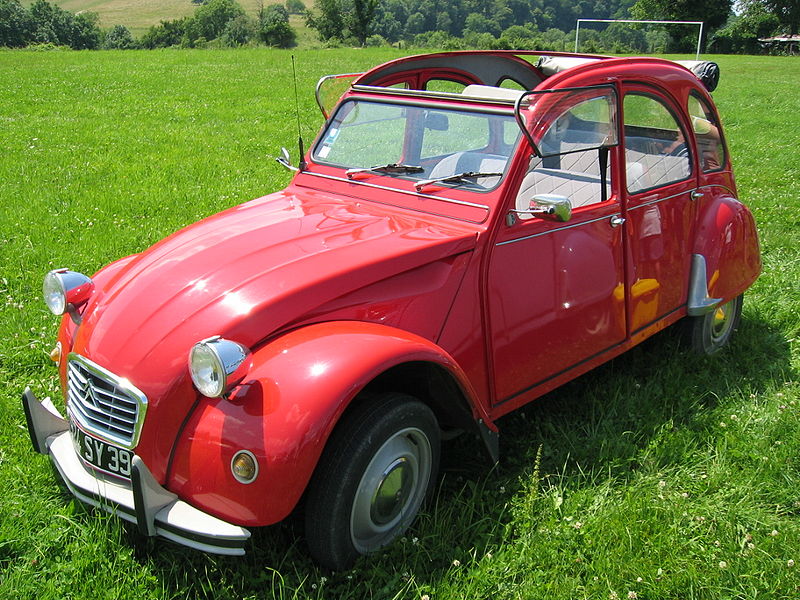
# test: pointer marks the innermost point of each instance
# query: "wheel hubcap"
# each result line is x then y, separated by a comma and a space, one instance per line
721, 321
391, 490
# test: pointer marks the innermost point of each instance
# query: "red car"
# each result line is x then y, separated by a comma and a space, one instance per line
469, 231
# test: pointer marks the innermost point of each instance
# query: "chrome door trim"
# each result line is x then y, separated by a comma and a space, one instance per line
549, 231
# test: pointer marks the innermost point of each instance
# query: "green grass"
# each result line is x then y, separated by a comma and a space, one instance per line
660, 474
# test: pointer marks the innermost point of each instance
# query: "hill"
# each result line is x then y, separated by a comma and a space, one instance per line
138, 15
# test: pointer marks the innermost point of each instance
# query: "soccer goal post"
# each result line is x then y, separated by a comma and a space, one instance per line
699, 23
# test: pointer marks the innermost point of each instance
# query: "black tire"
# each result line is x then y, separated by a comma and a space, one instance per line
378, 467
709, 333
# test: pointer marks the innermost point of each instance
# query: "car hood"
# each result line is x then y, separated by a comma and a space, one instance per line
248, 272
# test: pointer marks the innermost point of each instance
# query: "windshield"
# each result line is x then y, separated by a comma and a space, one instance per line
372, 138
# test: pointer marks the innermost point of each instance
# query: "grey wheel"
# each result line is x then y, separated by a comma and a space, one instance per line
391, 489
709, 333
375, 473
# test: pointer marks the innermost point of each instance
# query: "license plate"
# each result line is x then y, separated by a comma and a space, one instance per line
101, 455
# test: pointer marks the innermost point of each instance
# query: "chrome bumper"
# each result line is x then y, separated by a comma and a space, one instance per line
155, 510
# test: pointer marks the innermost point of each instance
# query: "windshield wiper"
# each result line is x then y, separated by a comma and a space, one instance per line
390, 168
457, 178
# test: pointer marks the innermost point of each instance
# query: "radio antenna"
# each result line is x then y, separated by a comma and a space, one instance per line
302, 163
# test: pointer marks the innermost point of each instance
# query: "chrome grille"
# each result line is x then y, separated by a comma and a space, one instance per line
104, 404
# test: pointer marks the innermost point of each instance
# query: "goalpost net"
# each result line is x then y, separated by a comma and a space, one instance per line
632, 21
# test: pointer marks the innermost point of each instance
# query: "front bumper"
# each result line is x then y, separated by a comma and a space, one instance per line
155, 510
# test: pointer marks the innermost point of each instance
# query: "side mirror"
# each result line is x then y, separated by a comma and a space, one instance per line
285, 160
552, 206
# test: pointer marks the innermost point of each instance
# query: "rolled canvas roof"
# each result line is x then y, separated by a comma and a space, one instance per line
706, 71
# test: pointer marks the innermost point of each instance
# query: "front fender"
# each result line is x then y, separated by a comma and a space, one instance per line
728, 240
298, 387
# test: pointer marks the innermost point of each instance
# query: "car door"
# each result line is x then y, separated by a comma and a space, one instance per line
659, 198
555, 292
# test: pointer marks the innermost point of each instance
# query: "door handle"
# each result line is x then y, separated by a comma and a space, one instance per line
697, 194
616, 221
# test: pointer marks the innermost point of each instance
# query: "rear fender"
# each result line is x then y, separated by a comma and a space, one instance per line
727, 244
284, 412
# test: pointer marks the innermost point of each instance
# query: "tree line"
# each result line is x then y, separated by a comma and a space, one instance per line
223, 22
45, 23
446, 24
550, 24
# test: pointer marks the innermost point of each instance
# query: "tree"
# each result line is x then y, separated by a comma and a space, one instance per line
212, 17
164, 35
295, 7
786, 11
444, 22
742, 32
502, 14
359, 19
713, 13
518, 37
478, 23
623, 39
555, 39
388, 26
343, 19
415, 23
118, 38
85, 34
51, 24
239, 31
274, 27
481, 41
330, 21
16, 26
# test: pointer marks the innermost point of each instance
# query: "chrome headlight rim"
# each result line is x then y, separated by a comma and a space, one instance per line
216, 365
55, 296
64, 290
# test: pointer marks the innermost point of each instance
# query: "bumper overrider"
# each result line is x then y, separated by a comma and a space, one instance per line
155, 510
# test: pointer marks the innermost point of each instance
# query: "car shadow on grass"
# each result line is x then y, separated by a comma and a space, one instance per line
595, 427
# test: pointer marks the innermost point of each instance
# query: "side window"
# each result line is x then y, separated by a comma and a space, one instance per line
572, 146
445, 85
511, 84
576, 176
708, 134
656, 151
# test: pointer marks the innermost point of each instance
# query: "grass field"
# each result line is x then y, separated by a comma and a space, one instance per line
658, 476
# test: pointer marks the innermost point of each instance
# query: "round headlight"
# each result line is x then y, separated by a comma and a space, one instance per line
55, 297
62, 288
217, 364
